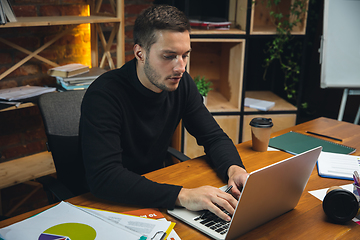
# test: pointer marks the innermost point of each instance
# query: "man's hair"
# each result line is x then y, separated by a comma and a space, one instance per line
155, 18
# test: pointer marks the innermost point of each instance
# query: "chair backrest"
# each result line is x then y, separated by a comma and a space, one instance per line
61, 115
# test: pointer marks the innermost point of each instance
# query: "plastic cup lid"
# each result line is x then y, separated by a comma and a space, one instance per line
261, 122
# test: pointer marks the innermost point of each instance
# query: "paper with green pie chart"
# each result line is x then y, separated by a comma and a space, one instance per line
69, 231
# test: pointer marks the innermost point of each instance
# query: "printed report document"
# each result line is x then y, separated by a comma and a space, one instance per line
335, 165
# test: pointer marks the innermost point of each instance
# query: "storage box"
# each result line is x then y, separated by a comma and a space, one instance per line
263, 23
222, 62
230, 125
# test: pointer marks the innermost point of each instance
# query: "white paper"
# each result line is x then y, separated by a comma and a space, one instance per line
18, 93
37, 227
145, 226
338, 165
262, 105
173, 236
321, 193
272, 149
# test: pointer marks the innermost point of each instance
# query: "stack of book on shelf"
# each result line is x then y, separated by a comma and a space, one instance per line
68, 70
74, 76
6, 12
79, 82
219, 25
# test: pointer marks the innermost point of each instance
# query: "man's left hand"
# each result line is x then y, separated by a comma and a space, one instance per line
237, 177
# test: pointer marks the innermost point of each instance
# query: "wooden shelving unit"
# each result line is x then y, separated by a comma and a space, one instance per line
58, 20
231, 31
221, 62
95, 19
283, 114
262, 24
34, 166
220, 56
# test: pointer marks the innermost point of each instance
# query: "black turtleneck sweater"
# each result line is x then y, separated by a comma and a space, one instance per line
125, 130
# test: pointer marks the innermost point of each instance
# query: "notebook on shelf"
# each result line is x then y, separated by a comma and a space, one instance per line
68, 70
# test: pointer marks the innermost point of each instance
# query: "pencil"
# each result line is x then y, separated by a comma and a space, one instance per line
321, 135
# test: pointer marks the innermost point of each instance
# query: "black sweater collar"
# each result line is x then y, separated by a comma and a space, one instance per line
139, 86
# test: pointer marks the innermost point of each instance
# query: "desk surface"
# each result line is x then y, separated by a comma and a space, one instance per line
306, 221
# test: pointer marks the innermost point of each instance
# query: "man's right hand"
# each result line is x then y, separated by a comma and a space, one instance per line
206, 198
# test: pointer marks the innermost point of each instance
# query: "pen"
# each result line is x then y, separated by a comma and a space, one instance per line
207, 211
228, 189
356, 181
321, 135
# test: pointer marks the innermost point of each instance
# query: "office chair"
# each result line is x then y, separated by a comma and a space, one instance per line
61, 116
60, 112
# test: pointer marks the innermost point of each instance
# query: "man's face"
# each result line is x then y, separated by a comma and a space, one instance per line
166, 60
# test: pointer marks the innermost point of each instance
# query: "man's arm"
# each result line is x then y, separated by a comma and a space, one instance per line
207, 197
223, 154
103, 158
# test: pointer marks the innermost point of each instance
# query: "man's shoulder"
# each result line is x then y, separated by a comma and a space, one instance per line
114, 78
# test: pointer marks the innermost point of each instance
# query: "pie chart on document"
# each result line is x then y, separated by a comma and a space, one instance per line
69, 231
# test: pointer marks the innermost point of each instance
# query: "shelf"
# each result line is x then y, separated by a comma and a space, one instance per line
237, 16
221, 61
58, 20
230, 125
231, 31
97, 36
22, 105
262, 23
26, 168
216, 102
280, 104
281, 121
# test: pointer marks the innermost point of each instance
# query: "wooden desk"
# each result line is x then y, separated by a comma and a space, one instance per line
306, 221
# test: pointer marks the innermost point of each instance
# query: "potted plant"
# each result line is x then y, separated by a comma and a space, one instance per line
203, 85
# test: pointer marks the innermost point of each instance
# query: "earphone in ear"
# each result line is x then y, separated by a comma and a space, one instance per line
340, 205
140, 55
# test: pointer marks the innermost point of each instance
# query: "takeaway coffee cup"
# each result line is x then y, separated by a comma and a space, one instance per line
260, 133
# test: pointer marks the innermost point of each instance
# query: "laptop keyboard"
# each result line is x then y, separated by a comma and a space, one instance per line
213, 222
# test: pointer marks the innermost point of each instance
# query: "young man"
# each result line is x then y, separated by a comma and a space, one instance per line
130, 114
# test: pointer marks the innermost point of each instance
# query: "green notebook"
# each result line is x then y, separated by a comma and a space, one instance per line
296, 143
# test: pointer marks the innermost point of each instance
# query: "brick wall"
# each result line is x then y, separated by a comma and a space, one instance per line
22, 131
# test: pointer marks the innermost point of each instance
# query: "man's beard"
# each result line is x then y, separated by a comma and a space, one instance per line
154, 77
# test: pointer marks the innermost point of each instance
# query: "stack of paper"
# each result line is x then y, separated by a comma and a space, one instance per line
258, 104
24, 92
210, 25
67, 221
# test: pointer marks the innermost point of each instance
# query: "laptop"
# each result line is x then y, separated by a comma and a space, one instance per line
267, 193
